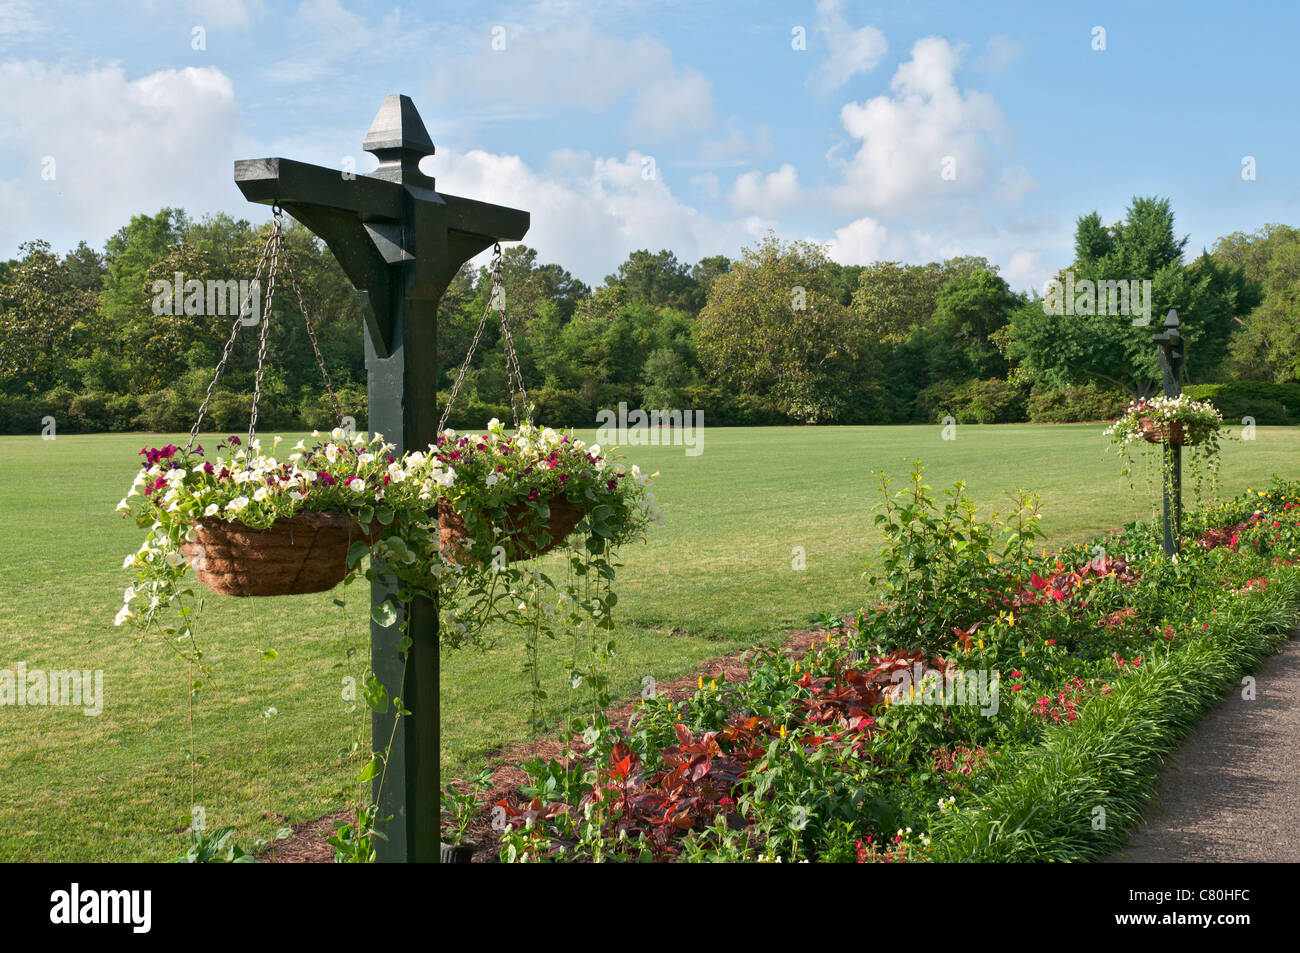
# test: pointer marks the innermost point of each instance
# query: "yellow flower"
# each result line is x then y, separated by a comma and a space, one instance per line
700, 683
980, 643
1011, 619
1022, 653
783, 731
713, 684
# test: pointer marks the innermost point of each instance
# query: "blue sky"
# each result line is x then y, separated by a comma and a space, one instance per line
844, 142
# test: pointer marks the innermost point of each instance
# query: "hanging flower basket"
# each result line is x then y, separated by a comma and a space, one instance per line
527, 491
1179, 421
1173, 432
526, 534
1171, 422
294, 556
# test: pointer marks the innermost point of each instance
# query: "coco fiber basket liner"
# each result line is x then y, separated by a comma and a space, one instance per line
302, 554
1175, 433
521, 524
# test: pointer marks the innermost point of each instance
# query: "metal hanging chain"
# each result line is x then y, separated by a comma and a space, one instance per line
513, 374
268, 255
512, 366
311, 334
277, 238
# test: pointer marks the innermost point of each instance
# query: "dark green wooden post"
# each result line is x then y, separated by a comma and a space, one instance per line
1173, 355
401, 243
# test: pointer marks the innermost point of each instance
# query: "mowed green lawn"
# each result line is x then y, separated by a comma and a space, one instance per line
713, 579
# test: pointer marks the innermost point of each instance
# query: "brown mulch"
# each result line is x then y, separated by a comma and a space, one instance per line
308, 843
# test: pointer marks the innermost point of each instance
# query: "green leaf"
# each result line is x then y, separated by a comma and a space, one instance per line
384, 514
270, 654
355, 552
369, 771
384, 614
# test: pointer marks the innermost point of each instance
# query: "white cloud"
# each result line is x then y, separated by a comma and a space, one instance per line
736, 147
225, 14
668, 108
906, 137
328, 40
120, 147
1000, 52
861, 242
568, 65
705, 185
849, 51
1025, 270
1015, 183
17, 19
589, 213
768, 194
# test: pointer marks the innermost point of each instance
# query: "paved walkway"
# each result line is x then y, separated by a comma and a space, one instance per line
1232, 793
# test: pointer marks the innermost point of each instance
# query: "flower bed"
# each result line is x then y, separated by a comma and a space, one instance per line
1061, 680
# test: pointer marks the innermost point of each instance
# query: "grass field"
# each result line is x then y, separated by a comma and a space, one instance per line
714, 578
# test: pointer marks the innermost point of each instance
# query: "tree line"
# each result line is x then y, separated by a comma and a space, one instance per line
781, 335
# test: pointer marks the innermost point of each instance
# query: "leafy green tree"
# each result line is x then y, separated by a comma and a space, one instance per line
666, 375
130, 254
968, 313
705, 272
1075, 348
892, 298
775, 328
658, 279
46, 321
1266, 346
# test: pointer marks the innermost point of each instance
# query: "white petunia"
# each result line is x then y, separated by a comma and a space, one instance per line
261, 494
129, 561
123, 506
123, 614
356, 484
365, 458
493, 478
212, 509
237, 504
174, 559
128, 595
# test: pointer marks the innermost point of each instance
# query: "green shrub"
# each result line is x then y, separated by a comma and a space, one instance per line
992, 401
1266, 402
1074, 404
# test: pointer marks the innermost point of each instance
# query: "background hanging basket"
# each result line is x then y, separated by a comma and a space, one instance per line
302, 554
1174, 433
522, 524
